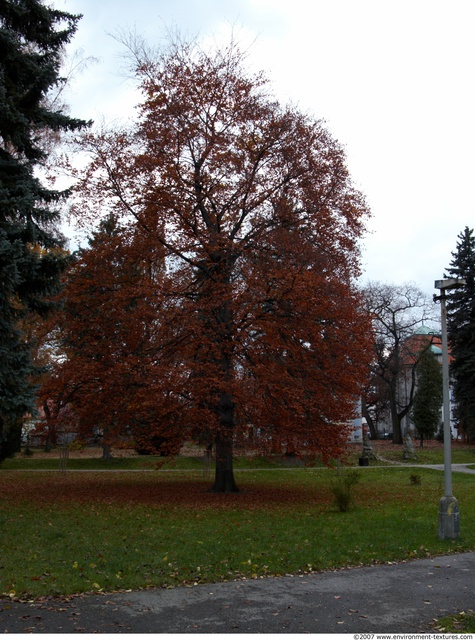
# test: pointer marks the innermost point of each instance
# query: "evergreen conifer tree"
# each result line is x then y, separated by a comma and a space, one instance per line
32, 39
461, 332
428, 397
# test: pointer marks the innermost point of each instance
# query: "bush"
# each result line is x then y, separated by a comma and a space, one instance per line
342, 489
415, 478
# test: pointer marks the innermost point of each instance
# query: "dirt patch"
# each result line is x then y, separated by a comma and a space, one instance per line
380, 446
87, 452
95, 451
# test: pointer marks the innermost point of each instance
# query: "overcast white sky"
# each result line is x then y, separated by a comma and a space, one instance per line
393, 80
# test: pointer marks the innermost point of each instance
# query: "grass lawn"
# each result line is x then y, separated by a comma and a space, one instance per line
66, 533
137, 463
431, 453
463, 622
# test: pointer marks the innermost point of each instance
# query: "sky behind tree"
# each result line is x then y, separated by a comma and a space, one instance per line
392, 80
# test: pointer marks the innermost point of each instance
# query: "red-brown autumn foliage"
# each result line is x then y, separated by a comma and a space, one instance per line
220, 301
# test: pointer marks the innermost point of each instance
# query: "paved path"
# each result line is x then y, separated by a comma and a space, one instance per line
461, 468
468, 467
396, 598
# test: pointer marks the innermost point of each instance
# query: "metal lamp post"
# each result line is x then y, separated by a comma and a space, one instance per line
449, 518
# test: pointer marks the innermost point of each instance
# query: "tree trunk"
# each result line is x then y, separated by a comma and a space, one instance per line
369, 420
395, 417
106, 451
49, 438
48, 446
396, 423
224, 476
10, 436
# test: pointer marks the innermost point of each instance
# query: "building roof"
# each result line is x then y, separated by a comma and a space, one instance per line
420, 338
425, 331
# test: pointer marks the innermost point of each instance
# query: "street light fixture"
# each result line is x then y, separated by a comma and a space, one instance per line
449, 518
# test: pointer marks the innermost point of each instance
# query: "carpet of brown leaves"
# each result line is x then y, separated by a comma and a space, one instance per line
157, 489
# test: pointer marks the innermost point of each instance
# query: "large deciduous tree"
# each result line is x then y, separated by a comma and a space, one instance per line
396, 312
32, 37
461, 331
257, 324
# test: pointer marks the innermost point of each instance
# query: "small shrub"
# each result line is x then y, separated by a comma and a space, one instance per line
27, 451
342, 489
415, 478
76, 445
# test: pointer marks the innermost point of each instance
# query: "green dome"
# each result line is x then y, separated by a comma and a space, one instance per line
425, 331
436, 350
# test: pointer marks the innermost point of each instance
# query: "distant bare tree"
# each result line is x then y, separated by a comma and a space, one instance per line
397, 311
374, 404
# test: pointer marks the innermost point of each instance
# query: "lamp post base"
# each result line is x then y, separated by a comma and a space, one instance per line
449, 518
